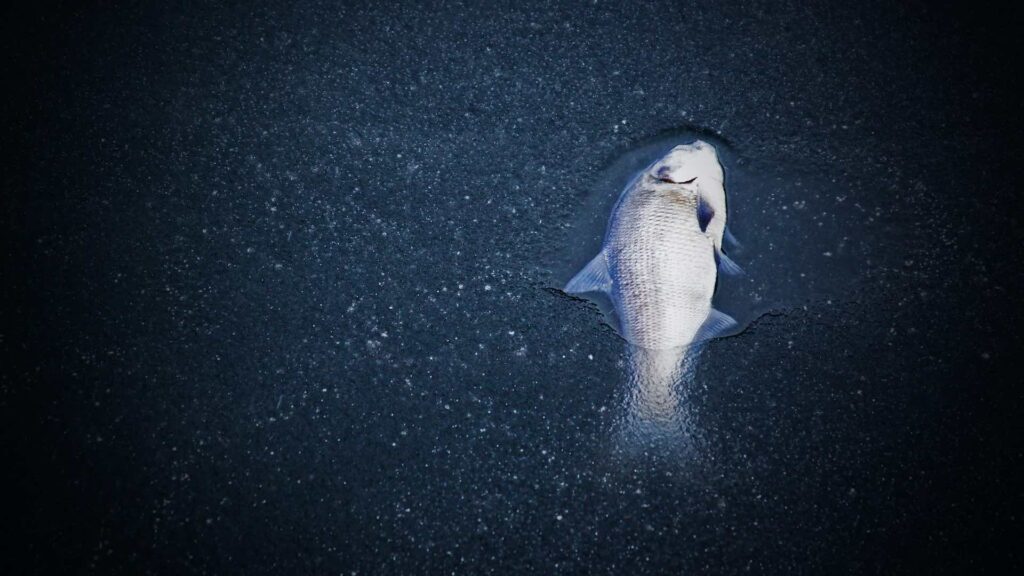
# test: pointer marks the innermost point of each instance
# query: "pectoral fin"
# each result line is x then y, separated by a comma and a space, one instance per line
731, 240
592, 278
717, 324
726, 265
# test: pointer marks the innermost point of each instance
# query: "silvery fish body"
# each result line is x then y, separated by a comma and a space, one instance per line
663, 250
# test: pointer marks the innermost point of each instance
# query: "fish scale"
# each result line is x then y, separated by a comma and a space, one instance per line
663, 266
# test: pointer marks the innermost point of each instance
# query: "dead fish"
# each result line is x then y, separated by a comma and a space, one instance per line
662, 252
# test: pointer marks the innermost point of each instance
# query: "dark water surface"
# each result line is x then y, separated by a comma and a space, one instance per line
279, 290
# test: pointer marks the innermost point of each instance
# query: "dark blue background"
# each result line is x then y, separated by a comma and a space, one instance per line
277, 290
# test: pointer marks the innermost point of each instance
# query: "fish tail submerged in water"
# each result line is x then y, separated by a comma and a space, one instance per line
657, 411
654, 375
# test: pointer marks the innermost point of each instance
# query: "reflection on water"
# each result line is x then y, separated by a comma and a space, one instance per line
657, 413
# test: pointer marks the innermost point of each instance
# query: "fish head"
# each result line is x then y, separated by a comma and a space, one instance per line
695, 163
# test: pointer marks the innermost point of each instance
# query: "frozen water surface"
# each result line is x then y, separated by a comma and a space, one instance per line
279, 290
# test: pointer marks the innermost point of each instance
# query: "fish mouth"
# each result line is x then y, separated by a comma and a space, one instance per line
665, 175
669, 180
